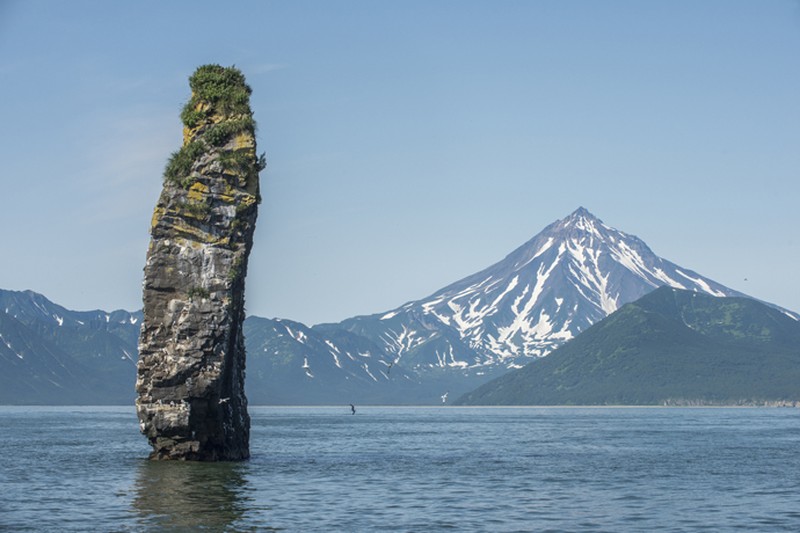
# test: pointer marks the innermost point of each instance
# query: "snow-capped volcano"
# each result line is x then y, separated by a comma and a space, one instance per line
568, 277
575, 272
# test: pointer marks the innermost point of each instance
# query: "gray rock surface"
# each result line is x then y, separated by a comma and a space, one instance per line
190, 382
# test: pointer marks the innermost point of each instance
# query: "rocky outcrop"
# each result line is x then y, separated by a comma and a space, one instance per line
190, 383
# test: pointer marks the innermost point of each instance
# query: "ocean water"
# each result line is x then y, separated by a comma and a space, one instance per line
412, 469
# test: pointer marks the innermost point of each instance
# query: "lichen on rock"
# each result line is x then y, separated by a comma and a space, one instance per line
190, 383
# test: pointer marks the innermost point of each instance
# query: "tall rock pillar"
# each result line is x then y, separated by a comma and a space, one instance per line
190, 384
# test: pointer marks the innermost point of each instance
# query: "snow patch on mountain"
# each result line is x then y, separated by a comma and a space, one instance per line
575, 272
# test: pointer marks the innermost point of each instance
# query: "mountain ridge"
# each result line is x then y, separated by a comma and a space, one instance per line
50, 354
544, 293
670, 347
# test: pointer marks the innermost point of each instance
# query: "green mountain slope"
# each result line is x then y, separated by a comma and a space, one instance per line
671, 346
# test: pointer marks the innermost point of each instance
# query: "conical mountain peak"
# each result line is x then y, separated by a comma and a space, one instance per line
582, 213
579, 221
572, 274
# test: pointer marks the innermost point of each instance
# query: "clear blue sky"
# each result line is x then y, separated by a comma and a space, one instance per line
410, 143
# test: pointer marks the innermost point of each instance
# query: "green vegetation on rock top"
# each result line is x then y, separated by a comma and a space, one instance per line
223, 88
218, 110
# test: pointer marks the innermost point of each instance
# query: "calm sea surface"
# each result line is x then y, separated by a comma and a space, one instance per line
412, 469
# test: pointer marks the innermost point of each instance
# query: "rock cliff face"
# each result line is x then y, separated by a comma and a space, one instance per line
190, 383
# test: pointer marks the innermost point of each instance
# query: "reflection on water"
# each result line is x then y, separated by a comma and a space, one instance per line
190, 496
412, 469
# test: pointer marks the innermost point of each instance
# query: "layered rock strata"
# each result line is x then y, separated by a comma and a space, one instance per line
190, 384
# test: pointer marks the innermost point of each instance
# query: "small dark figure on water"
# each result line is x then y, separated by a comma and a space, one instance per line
352, 409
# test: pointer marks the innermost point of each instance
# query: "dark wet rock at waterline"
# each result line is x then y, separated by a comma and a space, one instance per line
190, 384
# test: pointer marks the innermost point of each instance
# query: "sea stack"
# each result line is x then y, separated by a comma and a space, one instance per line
190, 383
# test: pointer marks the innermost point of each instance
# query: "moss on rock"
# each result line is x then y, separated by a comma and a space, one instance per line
217, 115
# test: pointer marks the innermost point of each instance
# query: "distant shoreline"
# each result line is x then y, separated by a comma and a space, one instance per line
771, 405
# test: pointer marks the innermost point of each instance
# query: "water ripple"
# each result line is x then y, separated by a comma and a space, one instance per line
412, 469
